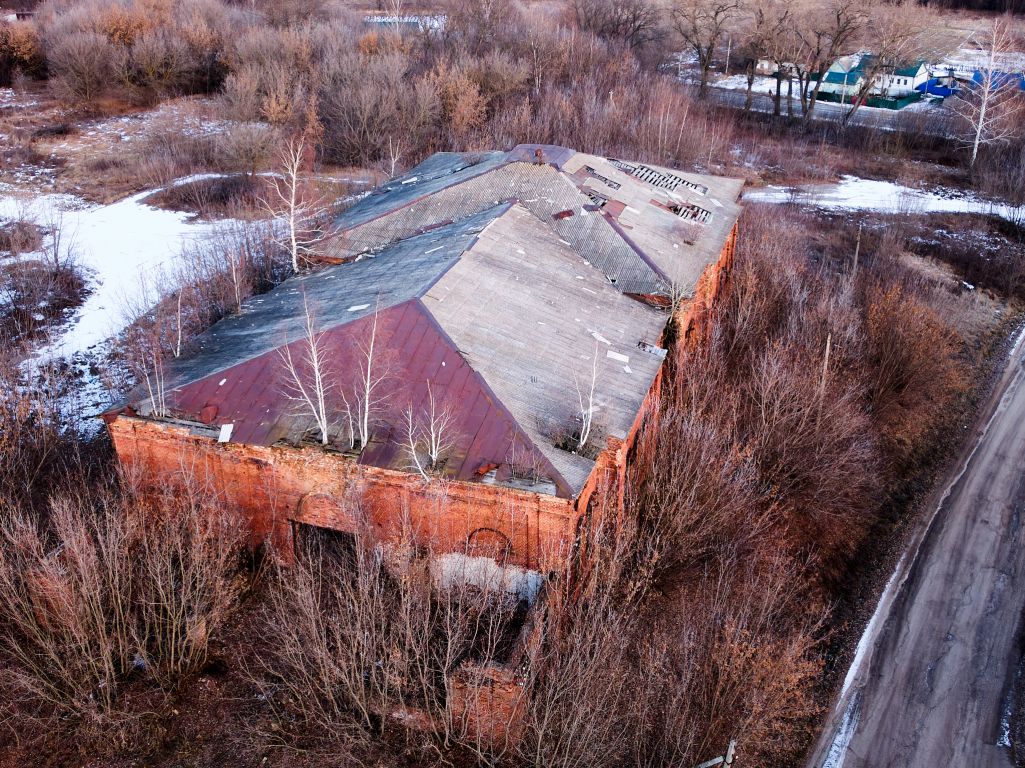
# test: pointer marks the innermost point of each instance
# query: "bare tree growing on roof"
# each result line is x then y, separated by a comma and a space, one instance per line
153, 375
366, 401
990, 108
308, 380
296, 208
429, 435
585, 400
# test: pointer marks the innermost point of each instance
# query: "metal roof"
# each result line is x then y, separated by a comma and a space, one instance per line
650, 230
532, 317
336, 295
496, 312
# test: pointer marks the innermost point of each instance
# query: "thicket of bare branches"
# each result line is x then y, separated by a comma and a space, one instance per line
109, 587
360, 639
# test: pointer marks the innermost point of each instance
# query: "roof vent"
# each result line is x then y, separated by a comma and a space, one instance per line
689, 212
658, 178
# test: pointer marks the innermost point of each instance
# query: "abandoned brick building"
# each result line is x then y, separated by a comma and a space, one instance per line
509, 310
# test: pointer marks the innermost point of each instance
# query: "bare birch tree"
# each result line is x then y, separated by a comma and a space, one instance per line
365, 401
429, 434
585, 401
308, 382
989, 108
295, 207
153, 375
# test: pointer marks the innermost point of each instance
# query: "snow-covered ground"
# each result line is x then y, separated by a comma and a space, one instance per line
762, 84
853, 193
125, 251
966, 60
120, 248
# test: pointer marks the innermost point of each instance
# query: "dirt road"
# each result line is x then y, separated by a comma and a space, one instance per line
929, 685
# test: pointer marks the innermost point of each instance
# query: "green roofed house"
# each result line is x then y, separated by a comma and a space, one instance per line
845, 79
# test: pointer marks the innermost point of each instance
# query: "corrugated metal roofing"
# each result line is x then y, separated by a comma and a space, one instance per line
413, 352
438, 171
650, 230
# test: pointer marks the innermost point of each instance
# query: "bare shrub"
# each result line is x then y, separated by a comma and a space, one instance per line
21, 51
634, 23
153, 68
110, 584
365, 103
80, 65
916, 367
577, 685
37, 447
354, 642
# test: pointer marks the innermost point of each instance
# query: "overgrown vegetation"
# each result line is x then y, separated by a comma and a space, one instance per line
701, 616
787, 433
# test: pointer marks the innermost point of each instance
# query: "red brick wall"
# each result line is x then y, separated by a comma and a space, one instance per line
276, 486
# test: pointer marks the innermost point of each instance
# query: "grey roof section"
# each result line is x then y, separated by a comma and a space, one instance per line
543, 190
438, 171
650, 230
532, 317
337, 295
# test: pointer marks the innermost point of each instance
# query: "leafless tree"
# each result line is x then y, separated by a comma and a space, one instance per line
308, 381
701, 25
825, 32
991, 107
429, 434
763, 35
585, 401
59, 245
896, 35
296, 208
153, 375
364, 400
633, 22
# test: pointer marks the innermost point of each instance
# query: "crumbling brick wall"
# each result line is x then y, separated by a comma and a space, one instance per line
279, 486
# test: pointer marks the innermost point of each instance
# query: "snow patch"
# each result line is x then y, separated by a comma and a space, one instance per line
454, 569
117, 246
854, 193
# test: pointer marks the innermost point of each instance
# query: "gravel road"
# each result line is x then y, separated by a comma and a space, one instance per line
930, 682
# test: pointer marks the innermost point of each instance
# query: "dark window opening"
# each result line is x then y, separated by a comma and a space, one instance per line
313, 542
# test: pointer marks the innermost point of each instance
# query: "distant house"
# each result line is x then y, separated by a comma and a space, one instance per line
845, 79
898, 82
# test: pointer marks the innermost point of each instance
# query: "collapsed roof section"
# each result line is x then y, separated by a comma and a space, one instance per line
651, 231
495, 319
